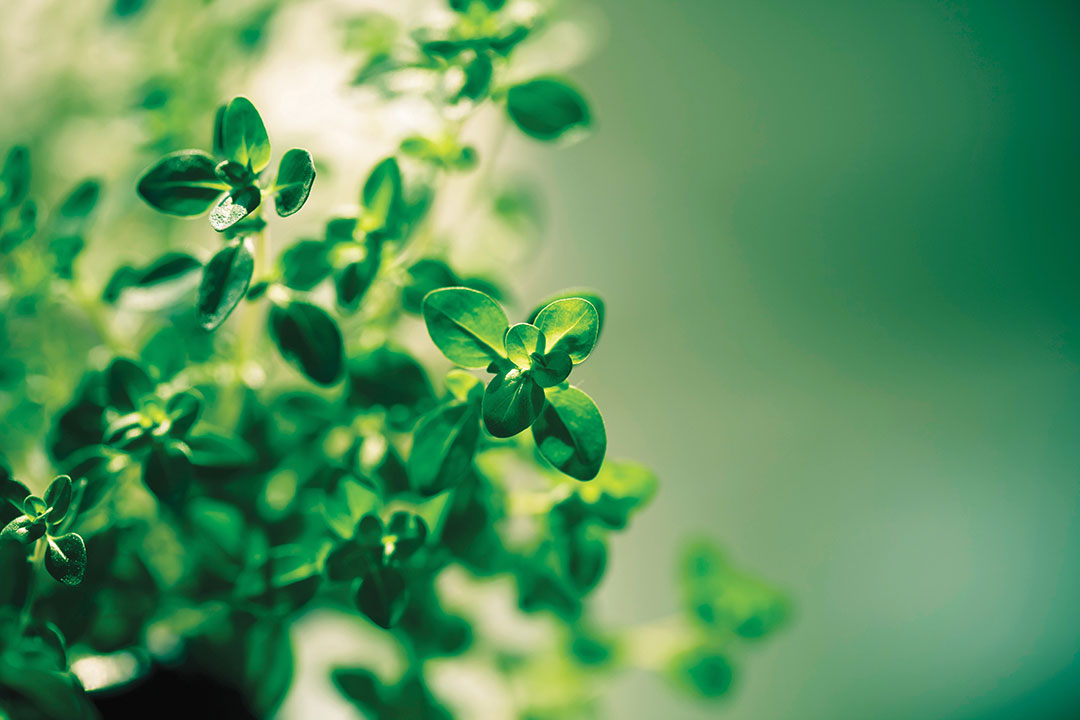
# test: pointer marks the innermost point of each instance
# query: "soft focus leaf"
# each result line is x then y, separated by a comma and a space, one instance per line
309, 339
224, 283
547, 108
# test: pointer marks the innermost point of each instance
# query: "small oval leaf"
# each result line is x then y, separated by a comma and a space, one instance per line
570, 325
570, 433
296, 174
512, 401
224, 283
522, 340
547, 108
65, 558
466, 325
182, 183
309, 339
234, 207
244, 137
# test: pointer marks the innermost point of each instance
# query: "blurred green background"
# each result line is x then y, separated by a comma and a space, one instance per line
839, 243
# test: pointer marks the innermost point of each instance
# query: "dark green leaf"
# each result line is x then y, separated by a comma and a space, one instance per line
443, 448
382, 196
383, 597
352, 282
546, 108
296, 173
182, 183
305, 264
167, 267
23, 529
522, 340
58, 497
309, 339
386, 377
244, 137
127, 384
234, 207
78, 205
11, 490
183, 410
361, 686
234, 173
570, 433
512, 401
477, 77
466, 325
208, 450
15, 177
167, 473
704, 672
551, 369
570, 325
224, 283
65, 558
426, 275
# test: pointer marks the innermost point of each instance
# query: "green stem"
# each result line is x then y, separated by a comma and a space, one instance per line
31, 586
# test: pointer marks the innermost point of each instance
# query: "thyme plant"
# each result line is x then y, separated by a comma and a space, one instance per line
259, 441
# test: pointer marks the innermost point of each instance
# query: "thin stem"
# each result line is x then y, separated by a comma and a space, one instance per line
31, 587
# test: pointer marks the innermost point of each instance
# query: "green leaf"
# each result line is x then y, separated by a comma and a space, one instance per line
224, 283
15, 177
466, 325
234, 207
702, 671
353, 281
547, 108
620, 489
296, 173
382, 197
585, 294
305, 264
78, 205
169, 266
234, 173
570, 433
477, 78
383, 597
65, 558
167, 473
58, 498
126, 384
386, 377
208, 450
570, 325
11, 490
444, 444
551, 369
244, 137
182, 183
522, 340
309, 339
218, 138
425, 275
15, 571
23, 529
512, 401
183, 410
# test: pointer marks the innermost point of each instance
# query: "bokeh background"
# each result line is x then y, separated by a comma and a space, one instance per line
839, 243
839, 246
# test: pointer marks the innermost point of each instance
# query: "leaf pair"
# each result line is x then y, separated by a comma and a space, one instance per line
65, 553
530, 362
188, 183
